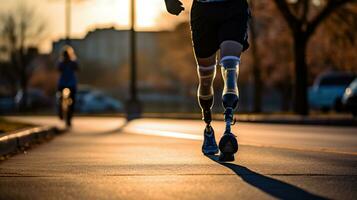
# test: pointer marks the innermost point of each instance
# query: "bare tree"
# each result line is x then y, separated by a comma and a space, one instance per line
257, 107
303, 18
21, 30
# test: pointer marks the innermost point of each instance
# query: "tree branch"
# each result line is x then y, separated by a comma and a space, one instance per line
331, 6
292, 21
305, 11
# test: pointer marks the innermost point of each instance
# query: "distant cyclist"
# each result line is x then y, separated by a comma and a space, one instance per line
217, 25
67, 67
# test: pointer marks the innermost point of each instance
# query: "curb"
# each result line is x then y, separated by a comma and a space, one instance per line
279, 119
15, 141
316, 122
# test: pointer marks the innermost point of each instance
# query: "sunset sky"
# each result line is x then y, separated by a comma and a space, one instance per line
88, 14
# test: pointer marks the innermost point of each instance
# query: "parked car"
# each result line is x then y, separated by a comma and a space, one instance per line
94, 101
349, 98
36, 98
328, 89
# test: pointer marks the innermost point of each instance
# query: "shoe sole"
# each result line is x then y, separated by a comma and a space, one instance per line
228, 144
226, 157
210, 152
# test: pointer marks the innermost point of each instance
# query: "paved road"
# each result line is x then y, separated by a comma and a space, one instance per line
107, 158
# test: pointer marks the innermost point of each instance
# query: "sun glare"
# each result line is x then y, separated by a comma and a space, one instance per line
117, 12
147, 13
89, 14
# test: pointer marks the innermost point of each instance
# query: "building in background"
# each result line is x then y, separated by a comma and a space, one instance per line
109, 47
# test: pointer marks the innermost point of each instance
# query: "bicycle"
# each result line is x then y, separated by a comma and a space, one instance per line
66, 103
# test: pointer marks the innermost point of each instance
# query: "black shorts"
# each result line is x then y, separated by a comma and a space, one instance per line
216, 22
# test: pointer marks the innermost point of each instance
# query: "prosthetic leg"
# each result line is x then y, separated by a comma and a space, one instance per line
205, 93
230, 70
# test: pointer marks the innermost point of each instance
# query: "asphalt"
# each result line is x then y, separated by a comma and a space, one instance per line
107, 158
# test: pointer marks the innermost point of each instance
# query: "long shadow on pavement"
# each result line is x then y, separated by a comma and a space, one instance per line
273, 187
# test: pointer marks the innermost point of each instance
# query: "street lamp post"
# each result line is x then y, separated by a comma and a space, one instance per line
133, 106
68, 21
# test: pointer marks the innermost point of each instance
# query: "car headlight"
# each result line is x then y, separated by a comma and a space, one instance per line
348, 92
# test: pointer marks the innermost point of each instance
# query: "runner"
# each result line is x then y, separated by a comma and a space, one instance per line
217, 25
68, 67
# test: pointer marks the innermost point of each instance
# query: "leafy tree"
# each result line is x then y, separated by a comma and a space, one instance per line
303, 18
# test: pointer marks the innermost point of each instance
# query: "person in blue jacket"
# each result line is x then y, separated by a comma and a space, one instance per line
68, 67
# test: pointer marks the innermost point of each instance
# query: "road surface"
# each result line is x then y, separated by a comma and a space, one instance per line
108, 158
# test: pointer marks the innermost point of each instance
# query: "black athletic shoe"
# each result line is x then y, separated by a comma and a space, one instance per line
209, 146
228, 146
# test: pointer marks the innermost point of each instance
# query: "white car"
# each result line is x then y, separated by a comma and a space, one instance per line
349, 98
36, 99
328, 89
93, 101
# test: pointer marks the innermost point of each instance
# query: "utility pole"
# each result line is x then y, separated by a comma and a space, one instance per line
68, 21
133, 106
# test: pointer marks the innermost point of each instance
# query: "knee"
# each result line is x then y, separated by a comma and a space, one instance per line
204, 64
231, 48
206, 72
207, 62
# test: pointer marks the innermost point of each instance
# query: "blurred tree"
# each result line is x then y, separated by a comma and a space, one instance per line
341, 26
257, 107
335, 50
177, 61
8, 78
303, 18
269, 56
21, 30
